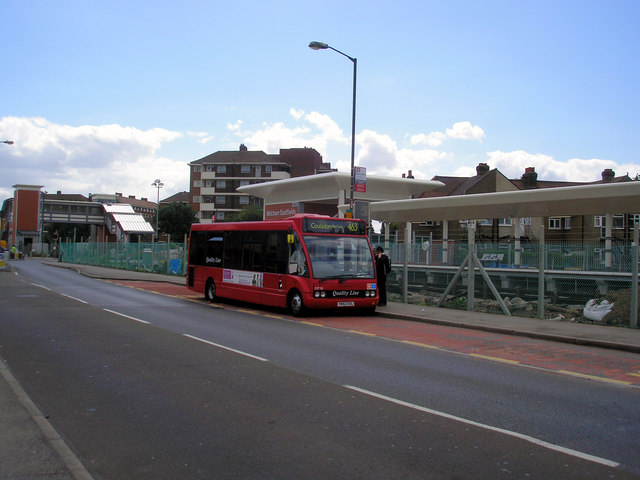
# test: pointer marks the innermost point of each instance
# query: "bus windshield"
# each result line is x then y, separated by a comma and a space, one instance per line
339, 257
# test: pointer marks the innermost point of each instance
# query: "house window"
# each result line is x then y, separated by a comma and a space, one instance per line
244, 200
220, 200
559, 223
487, 222
196, 183
208, 168
601, 221
196, 199
634, 218
219, 216
221, 184
196, 168
221, 169
245, 169
267, 168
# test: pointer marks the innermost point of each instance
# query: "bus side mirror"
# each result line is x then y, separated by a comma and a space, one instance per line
291, 238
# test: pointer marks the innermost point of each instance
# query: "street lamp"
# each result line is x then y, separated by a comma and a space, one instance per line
324, 46
8, 142
158, 184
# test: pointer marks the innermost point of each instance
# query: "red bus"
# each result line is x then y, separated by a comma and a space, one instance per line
305, 261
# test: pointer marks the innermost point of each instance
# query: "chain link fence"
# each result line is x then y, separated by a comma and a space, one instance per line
561, 281
164, 257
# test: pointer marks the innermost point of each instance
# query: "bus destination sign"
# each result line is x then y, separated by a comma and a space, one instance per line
340, 227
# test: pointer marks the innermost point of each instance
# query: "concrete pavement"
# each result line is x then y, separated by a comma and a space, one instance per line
30, 448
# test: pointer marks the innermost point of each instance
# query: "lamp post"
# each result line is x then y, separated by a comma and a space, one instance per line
8, 142
158, 184
324, 46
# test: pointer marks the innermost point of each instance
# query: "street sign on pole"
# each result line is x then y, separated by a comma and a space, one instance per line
360, 184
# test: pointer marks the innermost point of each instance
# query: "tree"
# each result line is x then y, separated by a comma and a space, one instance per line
250, 213
176, 219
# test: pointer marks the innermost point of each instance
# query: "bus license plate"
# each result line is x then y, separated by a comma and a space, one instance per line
346, 304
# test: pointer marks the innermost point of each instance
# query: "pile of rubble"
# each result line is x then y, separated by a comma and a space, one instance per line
619, 314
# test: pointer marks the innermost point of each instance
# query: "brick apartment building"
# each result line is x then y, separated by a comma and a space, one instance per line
214, 179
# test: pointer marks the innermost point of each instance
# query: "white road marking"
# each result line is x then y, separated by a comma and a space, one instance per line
226, 348
527, 438
126, 316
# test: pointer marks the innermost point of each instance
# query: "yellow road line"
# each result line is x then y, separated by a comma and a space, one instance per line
593, 377
312, 323
420, 344
363, 333
495, 359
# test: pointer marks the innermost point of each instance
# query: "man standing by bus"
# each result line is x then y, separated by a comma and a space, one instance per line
383, 267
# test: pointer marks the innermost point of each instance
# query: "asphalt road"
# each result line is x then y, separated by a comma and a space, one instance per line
200, 392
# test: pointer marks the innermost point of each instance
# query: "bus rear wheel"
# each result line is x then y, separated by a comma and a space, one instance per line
295, 304
210, 291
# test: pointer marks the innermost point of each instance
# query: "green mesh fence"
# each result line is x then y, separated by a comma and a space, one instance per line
573, 274
167, 258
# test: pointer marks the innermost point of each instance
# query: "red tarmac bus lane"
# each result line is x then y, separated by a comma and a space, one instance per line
587, 362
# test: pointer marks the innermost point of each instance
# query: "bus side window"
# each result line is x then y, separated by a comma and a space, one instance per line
277, 252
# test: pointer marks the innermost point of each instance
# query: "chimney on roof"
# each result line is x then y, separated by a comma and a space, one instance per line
59, 192
132, 196
144, 199
482, 168
410, 175
608, 175
530, 178
243, 147
404, 175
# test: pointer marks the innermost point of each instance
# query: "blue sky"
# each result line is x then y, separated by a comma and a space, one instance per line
102, 97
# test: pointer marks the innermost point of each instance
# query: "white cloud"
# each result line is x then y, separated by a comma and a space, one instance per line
297, 114
234, 126
88, 158
465, 131
513, 164
434, 139
459, 131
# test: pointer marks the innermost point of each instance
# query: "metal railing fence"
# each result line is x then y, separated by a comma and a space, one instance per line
163, 257
505, 279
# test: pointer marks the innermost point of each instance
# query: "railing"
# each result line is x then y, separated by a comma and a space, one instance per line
558, 256
560, 286
162, 257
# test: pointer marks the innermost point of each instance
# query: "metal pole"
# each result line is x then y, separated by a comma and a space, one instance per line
471, 267
541, 250
353, 137
633, 321
324, 46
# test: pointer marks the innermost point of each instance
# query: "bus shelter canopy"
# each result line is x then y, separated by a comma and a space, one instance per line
327, 186
616, 198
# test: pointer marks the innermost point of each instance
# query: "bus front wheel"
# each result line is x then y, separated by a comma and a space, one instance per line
295, 304
210, 291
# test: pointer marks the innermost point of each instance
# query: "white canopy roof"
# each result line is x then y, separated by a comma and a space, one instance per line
596, 199
326, 186
118, 208
133, 223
